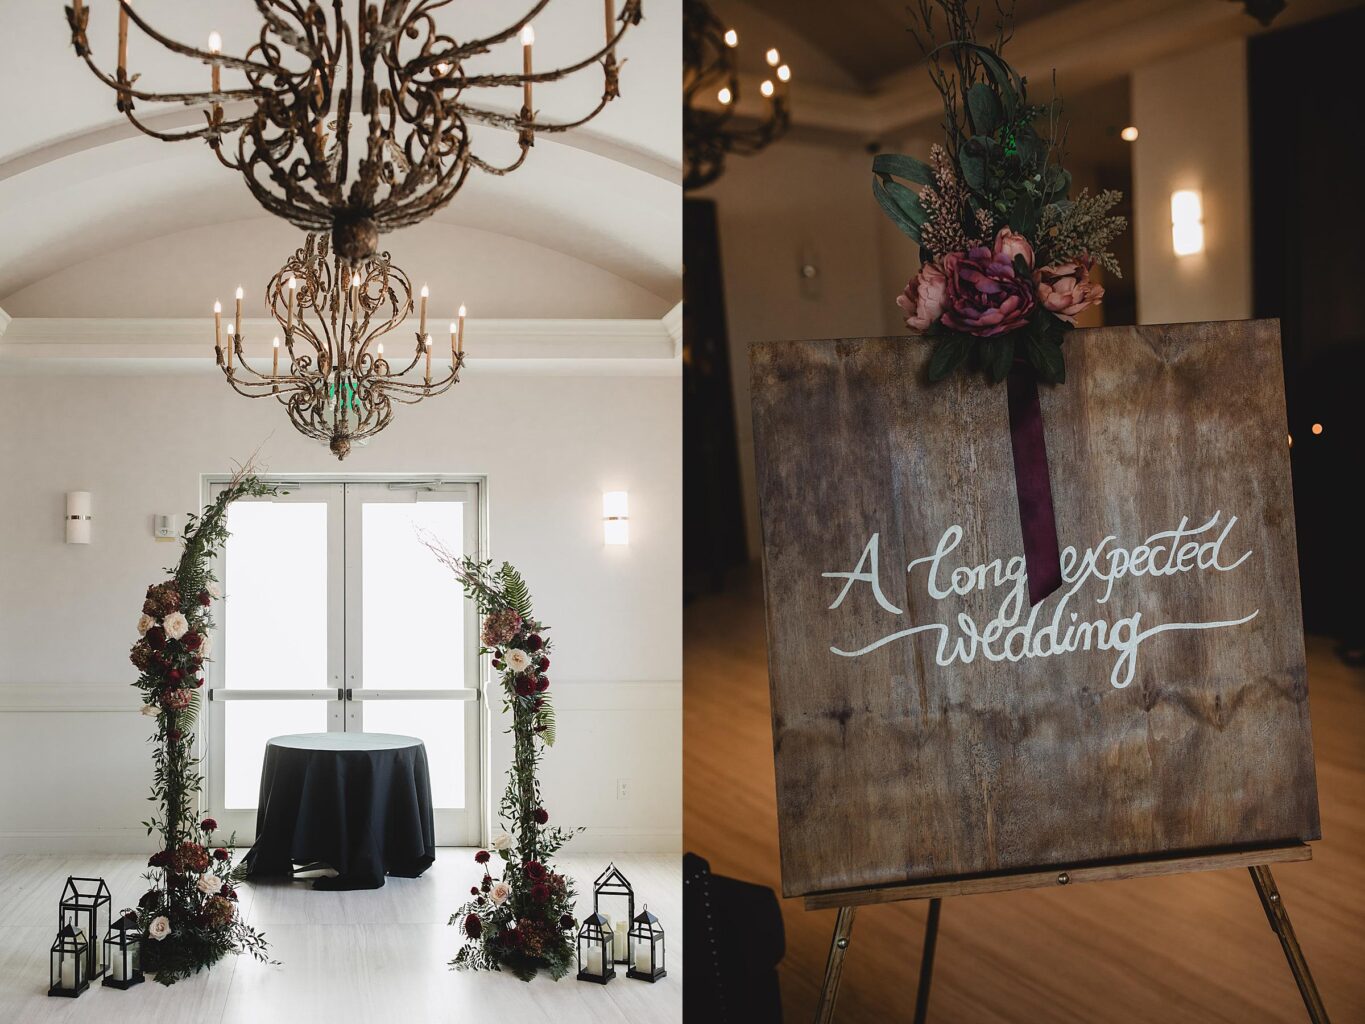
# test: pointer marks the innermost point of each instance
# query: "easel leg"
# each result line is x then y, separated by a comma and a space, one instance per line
1279, 921
926, 962
834, 968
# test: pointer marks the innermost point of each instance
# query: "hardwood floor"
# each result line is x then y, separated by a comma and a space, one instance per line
345, 957
1179, 948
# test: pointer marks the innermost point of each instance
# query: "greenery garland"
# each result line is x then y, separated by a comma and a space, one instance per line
522, 922
189, 916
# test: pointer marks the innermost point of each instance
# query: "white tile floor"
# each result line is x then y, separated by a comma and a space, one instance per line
372, 956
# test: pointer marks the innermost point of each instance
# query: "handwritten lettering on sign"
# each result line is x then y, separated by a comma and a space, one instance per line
1051, 628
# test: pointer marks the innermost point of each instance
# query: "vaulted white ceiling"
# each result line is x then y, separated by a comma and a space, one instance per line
97, 219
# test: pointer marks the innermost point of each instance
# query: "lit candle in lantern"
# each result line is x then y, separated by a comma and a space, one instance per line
275, 359
620, 941
459, 331
528, 38
217, 325
422, 327
593, 964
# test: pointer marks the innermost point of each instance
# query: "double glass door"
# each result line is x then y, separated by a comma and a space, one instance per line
336, 617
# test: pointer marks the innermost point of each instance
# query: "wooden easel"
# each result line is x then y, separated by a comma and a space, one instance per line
1257, 862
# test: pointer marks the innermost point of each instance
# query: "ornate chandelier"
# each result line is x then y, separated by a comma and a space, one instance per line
406, 154
337, 385
711, 95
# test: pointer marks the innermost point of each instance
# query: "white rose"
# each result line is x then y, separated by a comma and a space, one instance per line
502, 842
159, 928
499, 893
210, 884
517, 660
176, 625
150, 710
144, 623
215, 591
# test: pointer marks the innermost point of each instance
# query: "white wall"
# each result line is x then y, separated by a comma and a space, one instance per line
1192, 114
74, 772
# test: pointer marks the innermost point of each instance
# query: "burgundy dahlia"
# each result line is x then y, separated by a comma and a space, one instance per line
473, 890
541, 815
985, 297
540, 892
542, 684
481, 857
155, 637
221, 854
534, 642
566, 922
208, 824
545, 664
192, 641
204, 598
525, 686
473, 926
534, 870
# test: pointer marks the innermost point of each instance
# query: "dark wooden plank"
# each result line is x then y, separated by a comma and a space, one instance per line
893, 768
1053, 878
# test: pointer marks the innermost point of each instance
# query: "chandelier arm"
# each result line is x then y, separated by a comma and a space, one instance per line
476, 46
206, 56
517, 121
435, 198
631, 9
303, 43
485, 166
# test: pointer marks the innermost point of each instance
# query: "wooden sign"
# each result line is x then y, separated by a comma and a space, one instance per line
927, 722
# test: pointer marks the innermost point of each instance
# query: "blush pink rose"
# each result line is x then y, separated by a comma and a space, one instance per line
1009, 244
1065, 289
922, 301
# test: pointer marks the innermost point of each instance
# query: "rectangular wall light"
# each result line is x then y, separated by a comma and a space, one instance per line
615, 517
78, 517
1187, 222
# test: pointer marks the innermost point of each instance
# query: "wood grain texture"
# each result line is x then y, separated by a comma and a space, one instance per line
892, 768
1055, 878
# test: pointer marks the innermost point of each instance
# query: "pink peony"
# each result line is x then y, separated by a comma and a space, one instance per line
922, 302
984, 296
1065, 288
1010, 244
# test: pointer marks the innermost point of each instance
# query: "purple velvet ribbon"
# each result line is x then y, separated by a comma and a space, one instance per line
1037, 520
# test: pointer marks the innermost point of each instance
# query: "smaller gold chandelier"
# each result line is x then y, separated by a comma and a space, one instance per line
337, 385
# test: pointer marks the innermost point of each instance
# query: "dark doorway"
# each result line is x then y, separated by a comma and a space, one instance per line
713, 516
1308, 216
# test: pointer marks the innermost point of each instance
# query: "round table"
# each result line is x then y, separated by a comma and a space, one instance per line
359, 802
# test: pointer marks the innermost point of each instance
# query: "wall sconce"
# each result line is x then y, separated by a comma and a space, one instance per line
615, 517
1187, 222
78, 517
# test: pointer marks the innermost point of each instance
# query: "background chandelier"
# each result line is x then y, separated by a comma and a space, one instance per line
337, 385
711, 96
301, 153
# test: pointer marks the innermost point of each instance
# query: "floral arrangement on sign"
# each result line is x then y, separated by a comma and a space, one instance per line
524, 920
190, 912
1006, 257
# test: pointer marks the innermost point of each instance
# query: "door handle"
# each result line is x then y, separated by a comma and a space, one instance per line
348, 694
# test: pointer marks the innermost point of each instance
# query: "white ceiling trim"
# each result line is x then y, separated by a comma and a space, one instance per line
120, 346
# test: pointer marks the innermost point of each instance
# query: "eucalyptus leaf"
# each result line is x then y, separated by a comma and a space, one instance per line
951, 353
907, 200
984, 107
902, 166
973, 169
893, 210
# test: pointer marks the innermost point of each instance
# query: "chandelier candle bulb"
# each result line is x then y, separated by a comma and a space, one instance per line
237, 318
275, 359
218, 326
215, 46
528, 38
773, 58
731, 38
784, 73
459, 337
422, 305
426, 341
724, 96
290, 289
766, 89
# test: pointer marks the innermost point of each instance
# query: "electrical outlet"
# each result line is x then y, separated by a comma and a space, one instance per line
622, 789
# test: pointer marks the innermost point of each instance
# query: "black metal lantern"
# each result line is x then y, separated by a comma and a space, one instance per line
646, 948
85, 906
66, 973
123, 952
594, 951
612, 886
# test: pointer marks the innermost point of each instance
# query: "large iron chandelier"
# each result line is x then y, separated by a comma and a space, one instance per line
307, 74
711, 96
334, 378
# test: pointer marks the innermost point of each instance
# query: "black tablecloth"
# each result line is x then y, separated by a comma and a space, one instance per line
358, 802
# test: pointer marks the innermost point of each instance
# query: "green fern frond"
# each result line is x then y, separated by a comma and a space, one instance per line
545, 718
514, 589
